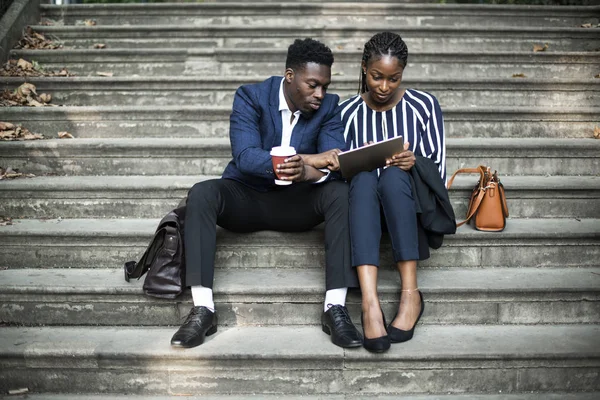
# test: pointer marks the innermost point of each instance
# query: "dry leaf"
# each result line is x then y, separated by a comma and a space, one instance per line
518, 76
89, 22
99, 46
597, 132
597, 76
65, 135
5, 220
45, 98
6, 125
588, 25
24, 65
26, 89
539, 47
107, 74
35, 40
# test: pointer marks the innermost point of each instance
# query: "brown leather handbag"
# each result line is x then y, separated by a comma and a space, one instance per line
487, 209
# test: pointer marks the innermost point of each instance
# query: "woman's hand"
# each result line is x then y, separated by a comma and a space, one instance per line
404, 160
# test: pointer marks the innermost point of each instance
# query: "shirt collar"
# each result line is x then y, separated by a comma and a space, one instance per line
283, 105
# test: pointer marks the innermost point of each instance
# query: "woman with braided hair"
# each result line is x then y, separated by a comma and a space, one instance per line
383, 198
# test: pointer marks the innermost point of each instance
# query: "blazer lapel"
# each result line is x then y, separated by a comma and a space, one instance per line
275, 137
298, 133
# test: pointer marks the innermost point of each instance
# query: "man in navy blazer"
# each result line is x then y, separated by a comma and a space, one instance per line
293, 110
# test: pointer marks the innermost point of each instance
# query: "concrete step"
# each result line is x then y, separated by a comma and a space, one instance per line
108, 243
213, 122
209, 156
180, 91
337, 37
523, 396
154, 196
245, 62
271, 296
326, 13
300, 360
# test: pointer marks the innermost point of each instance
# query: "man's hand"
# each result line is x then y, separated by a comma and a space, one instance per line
404, 160
294, 169
328, 159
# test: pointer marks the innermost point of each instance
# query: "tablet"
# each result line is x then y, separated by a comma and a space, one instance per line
368, 158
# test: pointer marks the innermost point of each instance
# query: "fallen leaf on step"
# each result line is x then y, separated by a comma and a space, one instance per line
65, 135
24, 65
518, 76
45, 98
107, 74
539, 47
18, 391
89, 22
36, 40
9, 131
26, 89
99, 46
597, 132
588, 25
5, 221
4, 126
597, 76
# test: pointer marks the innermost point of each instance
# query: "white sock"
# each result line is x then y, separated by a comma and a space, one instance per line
203, 296
335, 297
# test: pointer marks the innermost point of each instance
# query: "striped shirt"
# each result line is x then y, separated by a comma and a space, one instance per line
417, 117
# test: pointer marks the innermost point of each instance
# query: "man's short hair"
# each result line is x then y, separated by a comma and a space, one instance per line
302, 52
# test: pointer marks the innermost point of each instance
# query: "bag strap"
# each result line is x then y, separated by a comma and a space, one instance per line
474, 208
479, 170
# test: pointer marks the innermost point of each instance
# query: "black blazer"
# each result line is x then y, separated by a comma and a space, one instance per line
435, 215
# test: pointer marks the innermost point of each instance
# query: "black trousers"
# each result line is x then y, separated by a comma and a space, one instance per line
294, 208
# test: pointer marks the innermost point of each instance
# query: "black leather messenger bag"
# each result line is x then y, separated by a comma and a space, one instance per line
164, 259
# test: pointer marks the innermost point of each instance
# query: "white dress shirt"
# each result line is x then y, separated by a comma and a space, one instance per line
288, 122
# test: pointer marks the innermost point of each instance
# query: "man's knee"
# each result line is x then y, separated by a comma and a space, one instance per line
204, 193
335, 193
394, 178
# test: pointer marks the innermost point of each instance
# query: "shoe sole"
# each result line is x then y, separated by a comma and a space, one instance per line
326, 329
198, 342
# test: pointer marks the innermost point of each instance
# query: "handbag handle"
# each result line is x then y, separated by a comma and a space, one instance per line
481, 171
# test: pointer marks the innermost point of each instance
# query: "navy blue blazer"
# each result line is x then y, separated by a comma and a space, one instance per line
255, 128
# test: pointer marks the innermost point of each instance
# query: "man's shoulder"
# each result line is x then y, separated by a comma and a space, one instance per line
267, 84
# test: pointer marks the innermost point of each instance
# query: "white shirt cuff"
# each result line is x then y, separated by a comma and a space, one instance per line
326, 172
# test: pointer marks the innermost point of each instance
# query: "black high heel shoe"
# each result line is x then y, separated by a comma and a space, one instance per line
375, 345
398, 335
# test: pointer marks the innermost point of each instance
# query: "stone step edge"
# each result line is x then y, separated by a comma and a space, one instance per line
183, 182
590, 84
276, 53
555, 229
468, 396
293, 8
84, 347
226, 29
222, 112
298, 285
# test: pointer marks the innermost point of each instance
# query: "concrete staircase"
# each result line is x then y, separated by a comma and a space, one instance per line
510, 315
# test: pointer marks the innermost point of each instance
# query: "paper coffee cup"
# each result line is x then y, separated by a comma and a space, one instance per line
278, 155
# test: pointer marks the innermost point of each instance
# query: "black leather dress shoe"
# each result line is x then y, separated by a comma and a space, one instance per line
336, 322
199, 323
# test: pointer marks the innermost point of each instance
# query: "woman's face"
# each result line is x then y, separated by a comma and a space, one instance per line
384, 75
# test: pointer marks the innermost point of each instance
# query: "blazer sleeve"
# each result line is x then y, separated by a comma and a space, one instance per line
244, 134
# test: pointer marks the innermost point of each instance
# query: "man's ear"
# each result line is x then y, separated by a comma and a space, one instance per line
289, 75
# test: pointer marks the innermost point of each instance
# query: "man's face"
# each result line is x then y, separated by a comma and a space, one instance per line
305, 88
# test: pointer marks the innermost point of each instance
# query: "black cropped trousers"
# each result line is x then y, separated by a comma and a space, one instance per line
294, 208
